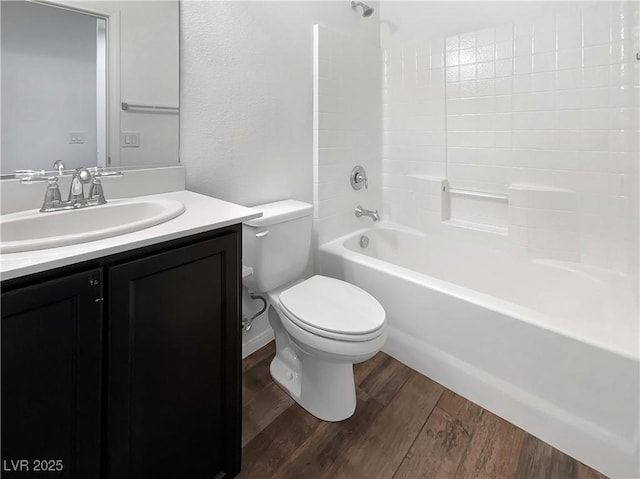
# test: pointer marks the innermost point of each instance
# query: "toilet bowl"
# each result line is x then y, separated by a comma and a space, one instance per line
322, 325
314, 361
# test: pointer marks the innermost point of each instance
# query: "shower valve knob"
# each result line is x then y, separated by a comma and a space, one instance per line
359, 178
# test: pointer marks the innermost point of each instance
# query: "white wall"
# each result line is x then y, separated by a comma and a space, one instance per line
246, 100
246, 94
347, 132
414, 127
48, 86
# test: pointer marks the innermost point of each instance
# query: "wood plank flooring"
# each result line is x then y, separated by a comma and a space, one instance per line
406, 426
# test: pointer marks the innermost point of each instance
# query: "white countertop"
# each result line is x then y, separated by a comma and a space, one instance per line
203, 213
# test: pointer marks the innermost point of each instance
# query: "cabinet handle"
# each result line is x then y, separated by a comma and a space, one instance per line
262, 234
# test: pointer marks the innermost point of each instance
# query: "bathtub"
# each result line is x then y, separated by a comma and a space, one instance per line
551, 347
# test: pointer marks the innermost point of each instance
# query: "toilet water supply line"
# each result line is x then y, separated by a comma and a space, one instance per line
246, 322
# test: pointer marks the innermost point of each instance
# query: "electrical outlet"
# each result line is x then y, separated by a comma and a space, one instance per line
76, 137
130, 139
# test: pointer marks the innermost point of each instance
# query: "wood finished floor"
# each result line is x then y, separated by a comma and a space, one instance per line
405, 427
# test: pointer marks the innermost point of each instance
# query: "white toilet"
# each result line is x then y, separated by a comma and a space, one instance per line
322, 325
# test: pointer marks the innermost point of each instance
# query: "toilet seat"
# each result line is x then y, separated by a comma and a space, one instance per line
333, 309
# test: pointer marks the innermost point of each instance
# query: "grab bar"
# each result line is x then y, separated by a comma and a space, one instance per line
478, 194
127, 106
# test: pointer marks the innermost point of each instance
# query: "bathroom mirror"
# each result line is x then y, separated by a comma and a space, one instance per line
91, 83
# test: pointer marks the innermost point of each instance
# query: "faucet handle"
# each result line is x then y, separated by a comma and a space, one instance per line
96, 192
106, 174
360, 178
31, 176
52, 197
39, 178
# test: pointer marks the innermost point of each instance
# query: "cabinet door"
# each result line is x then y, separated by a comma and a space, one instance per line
174, 363
51, 378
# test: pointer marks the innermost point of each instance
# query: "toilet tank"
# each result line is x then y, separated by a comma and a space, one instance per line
277, 245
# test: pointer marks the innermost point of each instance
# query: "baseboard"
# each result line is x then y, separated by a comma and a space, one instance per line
255, 343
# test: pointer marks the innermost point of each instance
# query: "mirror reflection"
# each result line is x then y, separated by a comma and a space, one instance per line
91, 83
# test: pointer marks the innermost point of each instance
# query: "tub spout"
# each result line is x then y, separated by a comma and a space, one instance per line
360, 211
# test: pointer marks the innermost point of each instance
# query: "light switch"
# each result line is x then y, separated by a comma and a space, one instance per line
130, 139
76, 137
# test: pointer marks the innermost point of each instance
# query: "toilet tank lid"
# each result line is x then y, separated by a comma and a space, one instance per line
279, 212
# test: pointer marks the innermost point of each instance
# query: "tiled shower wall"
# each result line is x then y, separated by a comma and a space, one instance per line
414, 132
346, 131
543, 112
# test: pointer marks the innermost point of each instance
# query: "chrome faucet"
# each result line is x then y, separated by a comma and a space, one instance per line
81, 176
360, 211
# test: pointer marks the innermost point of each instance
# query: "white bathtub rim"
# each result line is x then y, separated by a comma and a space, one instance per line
583, 269
498, 305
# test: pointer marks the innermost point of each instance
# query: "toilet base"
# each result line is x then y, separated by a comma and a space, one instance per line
324, 389
285, 371
317, 372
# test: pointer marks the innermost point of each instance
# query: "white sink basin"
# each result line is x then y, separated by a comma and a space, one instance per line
32, 230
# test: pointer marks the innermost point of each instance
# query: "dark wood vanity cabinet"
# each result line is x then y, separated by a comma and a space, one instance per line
173, 326
160, 376
51, 378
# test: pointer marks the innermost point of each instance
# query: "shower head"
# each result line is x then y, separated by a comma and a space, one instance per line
367, 11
